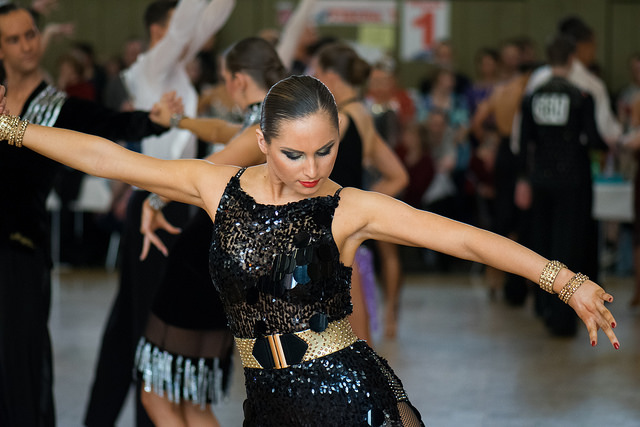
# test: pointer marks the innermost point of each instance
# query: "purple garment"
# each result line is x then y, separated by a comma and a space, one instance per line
364, 259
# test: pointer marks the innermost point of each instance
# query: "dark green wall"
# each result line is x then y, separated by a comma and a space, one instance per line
475, 23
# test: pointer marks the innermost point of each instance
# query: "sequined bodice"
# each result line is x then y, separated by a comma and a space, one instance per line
277, 267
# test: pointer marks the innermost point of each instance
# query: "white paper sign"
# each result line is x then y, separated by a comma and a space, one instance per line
423, 24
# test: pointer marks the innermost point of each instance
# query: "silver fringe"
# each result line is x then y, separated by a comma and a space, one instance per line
181, 378
45, 107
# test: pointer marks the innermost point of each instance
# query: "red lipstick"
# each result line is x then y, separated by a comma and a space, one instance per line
310, 184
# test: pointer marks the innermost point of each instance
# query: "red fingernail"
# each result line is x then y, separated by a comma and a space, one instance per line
613, 324
593, 343
616, 346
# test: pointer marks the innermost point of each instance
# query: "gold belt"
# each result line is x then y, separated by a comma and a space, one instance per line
282, 350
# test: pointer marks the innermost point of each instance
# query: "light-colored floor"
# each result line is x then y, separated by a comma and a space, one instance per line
465, 361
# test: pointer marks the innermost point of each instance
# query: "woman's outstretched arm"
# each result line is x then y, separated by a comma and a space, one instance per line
101, 157
364, 215
176, 179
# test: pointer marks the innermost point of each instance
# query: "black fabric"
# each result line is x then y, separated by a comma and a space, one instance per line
276, 267
26, 178
128, 315
26, 376
186, 297
347, 170
507, 214
558, 130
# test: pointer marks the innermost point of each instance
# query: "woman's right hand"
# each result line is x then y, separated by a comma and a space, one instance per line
151, 221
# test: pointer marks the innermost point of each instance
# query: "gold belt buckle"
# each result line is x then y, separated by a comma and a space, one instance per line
276, 351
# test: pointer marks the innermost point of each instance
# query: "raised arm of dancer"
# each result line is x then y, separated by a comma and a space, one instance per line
292, 30
207, 129
394, 175
210, 20
364, 215
376, 152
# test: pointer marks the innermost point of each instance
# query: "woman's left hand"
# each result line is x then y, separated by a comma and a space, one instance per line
589, 303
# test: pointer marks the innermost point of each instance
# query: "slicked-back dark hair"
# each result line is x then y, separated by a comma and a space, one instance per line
559, 49
344, 60
8, 8
257, 58
575, 27
293, 98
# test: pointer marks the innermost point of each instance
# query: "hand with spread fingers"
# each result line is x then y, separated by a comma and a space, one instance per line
152, 220
589, 304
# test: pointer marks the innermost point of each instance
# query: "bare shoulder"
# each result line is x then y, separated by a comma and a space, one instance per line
355, 202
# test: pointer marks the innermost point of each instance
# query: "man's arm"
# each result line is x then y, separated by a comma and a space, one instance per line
210, 21
90, 117
590, 126
168, 52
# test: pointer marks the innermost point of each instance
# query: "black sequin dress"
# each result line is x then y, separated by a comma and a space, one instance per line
277, 269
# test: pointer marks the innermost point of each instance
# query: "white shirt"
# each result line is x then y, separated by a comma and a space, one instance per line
163, 68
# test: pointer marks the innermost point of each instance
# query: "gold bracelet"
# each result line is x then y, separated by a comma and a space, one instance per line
572, 286
549, 274
12, 129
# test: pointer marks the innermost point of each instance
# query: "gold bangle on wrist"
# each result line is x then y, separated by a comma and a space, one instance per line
12, 129
549, 274
572, 286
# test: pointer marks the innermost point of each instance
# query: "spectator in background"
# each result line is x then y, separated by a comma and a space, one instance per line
510, 60
413, 150
443, 57
442, 146
628, 93
115, 95
71, 78
487, 62
94, 73
443, 98
391, 106
528, 52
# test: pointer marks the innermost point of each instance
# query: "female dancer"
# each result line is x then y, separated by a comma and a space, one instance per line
184, 358
284, 237
339, 67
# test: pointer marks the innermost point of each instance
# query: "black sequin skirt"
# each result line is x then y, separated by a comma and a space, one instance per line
351, 387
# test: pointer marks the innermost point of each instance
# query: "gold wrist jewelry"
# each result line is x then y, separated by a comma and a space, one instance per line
572, 286
549, 274
12, 129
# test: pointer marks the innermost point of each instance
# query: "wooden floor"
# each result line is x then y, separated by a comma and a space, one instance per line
464, 360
